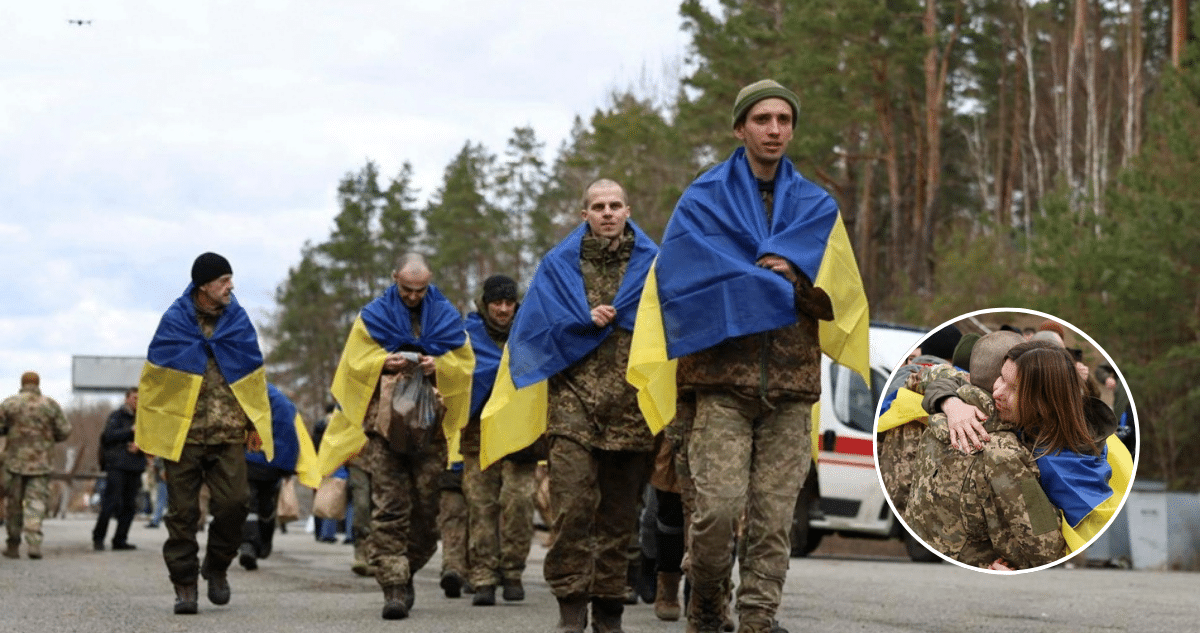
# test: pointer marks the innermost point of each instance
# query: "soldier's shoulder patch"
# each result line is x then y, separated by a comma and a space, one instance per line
1043, 517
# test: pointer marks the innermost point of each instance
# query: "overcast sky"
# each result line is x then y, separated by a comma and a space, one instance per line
165, 129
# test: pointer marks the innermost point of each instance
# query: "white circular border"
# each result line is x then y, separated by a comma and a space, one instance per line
1136, 427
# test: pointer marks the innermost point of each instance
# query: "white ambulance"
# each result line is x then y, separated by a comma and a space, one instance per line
842, 494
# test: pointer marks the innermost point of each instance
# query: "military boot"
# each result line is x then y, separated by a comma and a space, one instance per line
514, 591
705, 610
451, 583
186, 598
13, 550
395, 602
218, 585
606, 615
485, 596
572, 615
666, 599
34, 551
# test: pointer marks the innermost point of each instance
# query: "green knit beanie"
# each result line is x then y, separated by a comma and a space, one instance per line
764, 89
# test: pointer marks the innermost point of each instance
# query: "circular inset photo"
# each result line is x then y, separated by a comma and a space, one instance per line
1007, 442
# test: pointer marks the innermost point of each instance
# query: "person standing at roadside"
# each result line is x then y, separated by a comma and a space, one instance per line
123, 466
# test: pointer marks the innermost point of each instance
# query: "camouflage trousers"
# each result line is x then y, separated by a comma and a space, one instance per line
360, 499
501, 506
223, 468
26, 506
453, 524
404, 493
594, 496
745, 456
897, 456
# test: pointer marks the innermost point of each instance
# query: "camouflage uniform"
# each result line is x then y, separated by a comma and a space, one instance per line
748, 449
898, 447
600, 447
404, 493
985, 506
500, 501
452, 522
33, 423
214, 453
359, 480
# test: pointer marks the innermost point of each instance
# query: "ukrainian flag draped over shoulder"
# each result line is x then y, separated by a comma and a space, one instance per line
487, 362
552, 330
294, 452
385, 326
705, 287
174, 369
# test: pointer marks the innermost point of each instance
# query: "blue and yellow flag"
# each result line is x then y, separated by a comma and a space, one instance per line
1118, 459
487, 361
174, 369
705, 287
385, 326
553, 330
294, 452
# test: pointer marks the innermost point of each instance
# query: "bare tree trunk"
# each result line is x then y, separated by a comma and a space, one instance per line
1134, 42
936, 66
1179, 25
1039, 170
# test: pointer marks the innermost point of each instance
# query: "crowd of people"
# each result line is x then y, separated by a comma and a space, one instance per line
692, 366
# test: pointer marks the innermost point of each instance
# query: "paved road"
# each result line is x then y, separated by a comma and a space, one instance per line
307, 587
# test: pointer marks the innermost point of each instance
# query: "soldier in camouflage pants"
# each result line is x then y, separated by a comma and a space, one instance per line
452, 524
600, 445
33, 423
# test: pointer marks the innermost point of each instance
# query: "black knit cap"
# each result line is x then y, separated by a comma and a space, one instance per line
208, 267
941, 343
498, 288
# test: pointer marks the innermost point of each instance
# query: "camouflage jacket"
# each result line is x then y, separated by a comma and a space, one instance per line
985, 506
33, 423
590, 401
219, 418
781, 363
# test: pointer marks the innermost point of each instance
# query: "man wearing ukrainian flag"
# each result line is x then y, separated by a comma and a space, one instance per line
564, 369
753, 257
410, 319
202, 402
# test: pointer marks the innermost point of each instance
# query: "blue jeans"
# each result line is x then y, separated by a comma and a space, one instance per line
160, 502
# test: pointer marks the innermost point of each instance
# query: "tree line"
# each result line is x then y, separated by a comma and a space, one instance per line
984, 153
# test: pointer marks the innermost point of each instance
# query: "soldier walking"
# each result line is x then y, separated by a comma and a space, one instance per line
33, 423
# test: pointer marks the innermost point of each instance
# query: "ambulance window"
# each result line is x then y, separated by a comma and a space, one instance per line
854, 404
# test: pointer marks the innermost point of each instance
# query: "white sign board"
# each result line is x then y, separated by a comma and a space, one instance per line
111, 374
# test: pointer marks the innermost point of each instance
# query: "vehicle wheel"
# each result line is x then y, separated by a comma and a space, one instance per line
804, 539
917, 551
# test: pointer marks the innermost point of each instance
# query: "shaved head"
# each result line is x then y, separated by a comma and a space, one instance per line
412, 277
987, 357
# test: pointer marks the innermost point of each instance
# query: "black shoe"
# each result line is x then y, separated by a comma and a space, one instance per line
98, 546
123, 546
218, 586
185, 599
395, 603
513, 590
485, 596
246, 557
410, 594
452, 584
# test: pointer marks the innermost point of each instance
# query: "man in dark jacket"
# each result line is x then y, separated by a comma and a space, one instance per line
123, 462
